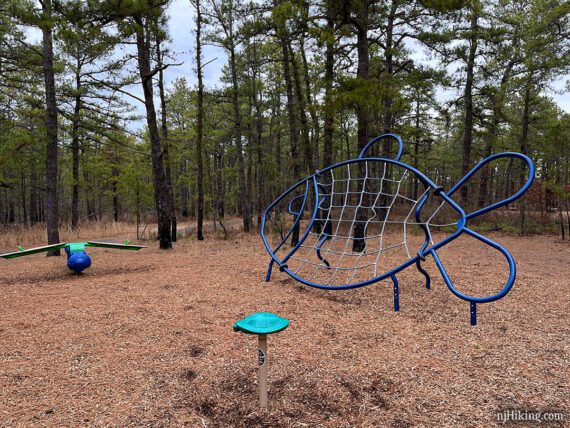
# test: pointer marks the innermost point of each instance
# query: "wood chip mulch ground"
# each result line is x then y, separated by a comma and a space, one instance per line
145, 340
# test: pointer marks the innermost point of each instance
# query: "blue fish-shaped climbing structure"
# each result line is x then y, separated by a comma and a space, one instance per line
363, 220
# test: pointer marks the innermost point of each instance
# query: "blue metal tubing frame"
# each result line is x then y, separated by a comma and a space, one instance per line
424, 273
446, 196
512, 266
383, 137
423, 226
522, 190
297, 219
325, 235
297, 215
425, 244
290, 206
474, 300
313, 216
282, 263
500, 294
396, 293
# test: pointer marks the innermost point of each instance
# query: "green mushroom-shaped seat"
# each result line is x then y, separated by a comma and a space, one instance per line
261, 323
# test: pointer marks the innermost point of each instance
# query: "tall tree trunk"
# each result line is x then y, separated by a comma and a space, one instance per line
524, 144
11, 209
219, 186
33, 201
361, 23
165, 142
75, 149
251, 143
184, 211
249, 179
257, 102
116, 206
260, 165
293, 132
388, 98
238, 135
3, 206
468, 97
199, 125
302, 111
315, 136
328, 83
52, 202
89, 197
275, 114
100, 203
162, 193
23, 198
115, 180
416, 147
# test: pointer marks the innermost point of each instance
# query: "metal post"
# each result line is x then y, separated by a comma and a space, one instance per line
396, 293
262, 374
473, 313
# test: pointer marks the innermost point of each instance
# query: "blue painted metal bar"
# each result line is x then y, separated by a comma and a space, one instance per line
262, 229
506, 288
290, 206
383, 137
423, 226
297, 219
269, 270
521, 191
396, 293
319, 246
424, 273
473, 307
460, 223
311, 221
426, 243
322, 226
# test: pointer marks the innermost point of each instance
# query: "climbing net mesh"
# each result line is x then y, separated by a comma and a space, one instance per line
365, 225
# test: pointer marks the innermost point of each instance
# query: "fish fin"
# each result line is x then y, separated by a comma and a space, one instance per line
527, 168
479, 264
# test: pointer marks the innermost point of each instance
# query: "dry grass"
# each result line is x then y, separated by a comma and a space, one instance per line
145, 340
14, 235
36, 235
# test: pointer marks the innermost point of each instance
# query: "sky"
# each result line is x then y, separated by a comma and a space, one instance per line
181, 27
182, 30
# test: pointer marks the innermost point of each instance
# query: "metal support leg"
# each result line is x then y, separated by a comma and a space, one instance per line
424, 273
269, 269
396, 293
473, 313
